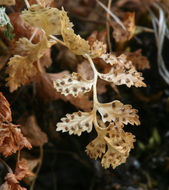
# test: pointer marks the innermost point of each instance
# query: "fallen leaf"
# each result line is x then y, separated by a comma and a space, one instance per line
22, 170
33, 132
5, 111
22, 29
121, 35
139, 61
11, 138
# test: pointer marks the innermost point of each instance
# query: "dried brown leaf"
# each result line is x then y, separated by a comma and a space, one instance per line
121, 35
82, 101
85, 70
5, 111
22, 29
12, 139
66, 58
11, 178
22, 170
44, 3
31, 164
96, 35
139, 61
3, 60
46, 60
45, 89
33, 132
136, 5
11, 183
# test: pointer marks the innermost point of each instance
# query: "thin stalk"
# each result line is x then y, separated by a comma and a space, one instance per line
38, 2
143, 29
18, 155
38, 169
7, 166
95, 100
56, 39
112, 14
27, 3
108, 26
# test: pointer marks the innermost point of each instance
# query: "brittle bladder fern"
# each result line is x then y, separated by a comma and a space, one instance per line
112, 143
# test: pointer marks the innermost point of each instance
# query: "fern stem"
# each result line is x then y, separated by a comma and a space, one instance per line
38, 2
38, 169
33, 35
95, 100
56, 39
27, 3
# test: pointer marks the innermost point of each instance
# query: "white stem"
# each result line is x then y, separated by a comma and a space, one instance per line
56, 39
27, 3
33, 35
38, 2
95, 100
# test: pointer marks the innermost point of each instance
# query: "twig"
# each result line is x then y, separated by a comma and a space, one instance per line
7, 166
108, 26
18, 155
38, 2
38, 169
27, 3
56, 39
112, 14
144, 29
